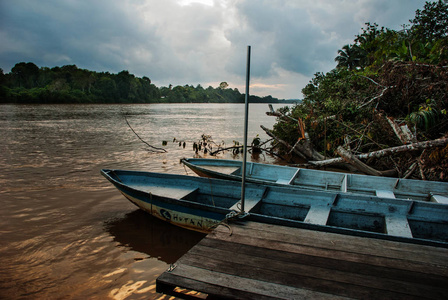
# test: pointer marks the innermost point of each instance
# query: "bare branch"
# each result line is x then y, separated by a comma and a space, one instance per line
387, 152
160, 150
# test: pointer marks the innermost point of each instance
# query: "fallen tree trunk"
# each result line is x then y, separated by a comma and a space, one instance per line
360, 166
287, 145
351, 159
386, 152
274, 113
304, 150
399, 132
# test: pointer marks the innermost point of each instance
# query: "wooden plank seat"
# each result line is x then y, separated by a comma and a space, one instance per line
439, 199
250, 201
398, 226
385, 194
172, 192
283, 181
318, 214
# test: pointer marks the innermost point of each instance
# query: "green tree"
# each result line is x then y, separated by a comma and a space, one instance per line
223, 85
123, 82
431, 23
106, 89
350, 57
25, 74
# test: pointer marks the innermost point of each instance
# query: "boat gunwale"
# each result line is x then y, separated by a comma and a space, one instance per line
399, 193
285, 221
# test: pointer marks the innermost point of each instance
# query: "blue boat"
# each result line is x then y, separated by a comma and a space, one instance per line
200, 204
385, 187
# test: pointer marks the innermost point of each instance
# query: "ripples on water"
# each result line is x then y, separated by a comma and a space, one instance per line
67, 233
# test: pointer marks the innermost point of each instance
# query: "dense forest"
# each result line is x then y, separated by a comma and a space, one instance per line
389, 89
27, 83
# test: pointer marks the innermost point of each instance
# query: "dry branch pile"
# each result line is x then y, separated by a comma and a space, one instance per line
398, 127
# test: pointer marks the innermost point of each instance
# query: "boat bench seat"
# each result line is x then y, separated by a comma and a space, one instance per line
398, 226
318, 214
173, 192
250, 200
249, 204
282, 181
439, 199
384, 194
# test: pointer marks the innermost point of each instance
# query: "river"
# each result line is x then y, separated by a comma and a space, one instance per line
65, 232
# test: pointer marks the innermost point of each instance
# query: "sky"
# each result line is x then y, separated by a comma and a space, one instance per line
194, 42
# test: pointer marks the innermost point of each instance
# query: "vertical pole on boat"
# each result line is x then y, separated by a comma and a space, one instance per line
246, 121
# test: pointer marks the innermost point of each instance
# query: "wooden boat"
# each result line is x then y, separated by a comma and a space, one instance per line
201, 203
384, 187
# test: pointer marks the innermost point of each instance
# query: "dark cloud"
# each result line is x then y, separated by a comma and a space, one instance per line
179, 42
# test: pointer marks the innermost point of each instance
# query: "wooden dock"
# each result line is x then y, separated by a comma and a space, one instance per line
262, 261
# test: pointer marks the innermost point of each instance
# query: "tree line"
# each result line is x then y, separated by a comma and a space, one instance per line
27, 84
389, 88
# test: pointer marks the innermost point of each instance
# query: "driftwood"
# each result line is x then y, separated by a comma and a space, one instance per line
401, 132
359, 165
351, 159
386, 152
411, 170
287, 145
304, 150
274, 113
385, 88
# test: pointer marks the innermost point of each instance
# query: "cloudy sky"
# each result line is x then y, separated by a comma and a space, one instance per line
194, 41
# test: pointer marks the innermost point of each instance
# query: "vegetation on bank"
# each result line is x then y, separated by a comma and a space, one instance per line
27, 83
390, 88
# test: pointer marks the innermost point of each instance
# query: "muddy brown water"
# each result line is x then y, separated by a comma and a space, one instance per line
65, 232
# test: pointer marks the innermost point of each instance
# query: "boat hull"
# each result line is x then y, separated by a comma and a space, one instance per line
190, 219
184, 214
201, 203
321, 180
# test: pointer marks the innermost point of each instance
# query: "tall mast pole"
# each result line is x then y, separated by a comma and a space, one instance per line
246, 121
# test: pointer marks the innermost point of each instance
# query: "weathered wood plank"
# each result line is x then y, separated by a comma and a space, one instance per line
329, 262
236, 287
369, 246
167, 282
263, 261
278, 243
297, 274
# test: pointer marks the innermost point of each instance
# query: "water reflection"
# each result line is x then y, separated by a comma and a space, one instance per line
61, 221
139, 231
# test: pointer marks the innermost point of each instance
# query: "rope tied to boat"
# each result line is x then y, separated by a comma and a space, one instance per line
230, 216
186, 172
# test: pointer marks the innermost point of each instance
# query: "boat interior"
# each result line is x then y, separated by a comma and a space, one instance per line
347, 183
411, 219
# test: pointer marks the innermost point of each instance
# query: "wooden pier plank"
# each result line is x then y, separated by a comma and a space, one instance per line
243, 287
328, 262
362, 245
262, 261
305, 275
